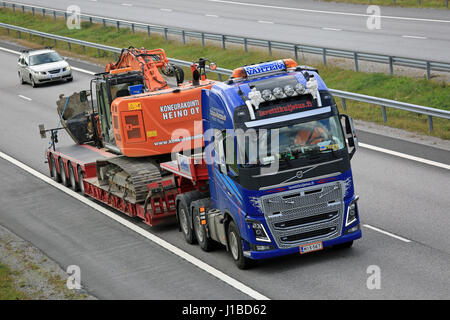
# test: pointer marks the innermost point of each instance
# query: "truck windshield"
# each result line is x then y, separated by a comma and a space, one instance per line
294, 142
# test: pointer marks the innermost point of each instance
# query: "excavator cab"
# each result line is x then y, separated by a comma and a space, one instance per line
109, 86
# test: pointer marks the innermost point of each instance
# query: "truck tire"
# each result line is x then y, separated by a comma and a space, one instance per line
54, 173
64, 179
73, 181
183, 218
201, 235
235, 245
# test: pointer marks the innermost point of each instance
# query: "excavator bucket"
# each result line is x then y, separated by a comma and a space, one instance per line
75, 114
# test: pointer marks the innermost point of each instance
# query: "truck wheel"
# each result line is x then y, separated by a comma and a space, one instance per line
183, 216
55, 175
73, 182
200, 231
235, 245
64, 179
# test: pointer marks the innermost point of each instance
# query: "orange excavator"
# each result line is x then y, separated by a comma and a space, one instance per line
136, 112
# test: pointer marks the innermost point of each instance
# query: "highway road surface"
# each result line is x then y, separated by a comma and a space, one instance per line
403, 32
404, 208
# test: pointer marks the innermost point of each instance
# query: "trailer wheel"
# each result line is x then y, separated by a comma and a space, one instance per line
73, 181
80, 180
183, 216
200, 231
55, 175
64, 179
235, 245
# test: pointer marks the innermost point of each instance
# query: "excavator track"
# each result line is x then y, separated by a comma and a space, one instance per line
129, 176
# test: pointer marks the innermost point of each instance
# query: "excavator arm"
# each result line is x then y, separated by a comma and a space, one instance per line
149, 63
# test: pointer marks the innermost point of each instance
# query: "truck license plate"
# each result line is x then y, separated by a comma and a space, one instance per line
310, 247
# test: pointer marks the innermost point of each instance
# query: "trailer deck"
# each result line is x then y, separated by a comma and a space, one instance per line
82, 159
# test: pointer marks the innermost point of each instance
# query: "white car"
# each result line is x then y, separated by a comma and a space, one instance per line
41, 66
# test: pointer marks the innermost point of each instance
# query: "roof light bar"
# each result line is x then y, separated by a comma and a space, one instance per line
264, 68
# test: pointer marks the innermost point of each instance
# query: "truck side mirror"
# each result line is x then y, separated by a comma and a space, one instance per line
222, 161
350, 133
219, 148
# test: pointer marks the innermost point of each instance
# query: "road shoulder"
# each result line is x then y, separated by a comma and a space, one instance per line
35, 276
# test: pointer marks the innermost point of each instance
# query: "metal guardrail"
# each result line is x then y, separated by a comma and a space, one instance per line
296, 49
419, 2
343, 95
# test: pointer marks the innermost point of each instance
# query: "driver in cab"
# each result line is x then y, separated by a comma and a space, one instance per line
310, 134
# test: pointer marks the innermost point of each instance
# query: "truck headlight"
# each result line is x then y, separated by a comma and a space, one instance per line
352, 215
260, 232
289, 90
278, 93
267, 95
300, 88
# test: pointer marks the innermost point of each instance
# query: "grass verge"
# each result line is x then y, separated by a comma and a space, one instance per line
26, 273
437, 4
8, 290
417, 91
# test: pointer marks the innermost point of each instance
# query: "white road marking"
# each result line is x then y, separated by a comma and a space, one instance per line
166, 245
26, 98
331, 29
364, 145
166, 10
414, 37
211, 15
405, 156
387, 233
127, 4
83, 70
10, 51
263, 21
327, 12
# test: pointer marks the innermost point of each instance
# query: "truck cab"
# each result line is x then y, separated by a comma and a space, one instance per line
278, 157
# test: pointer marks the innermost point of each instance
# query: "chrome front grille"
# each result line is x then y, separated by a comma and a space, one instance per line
54, 71
303, 215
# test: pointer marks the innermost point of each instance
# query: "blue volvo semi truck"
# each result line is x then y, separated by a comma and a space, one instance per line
277, 154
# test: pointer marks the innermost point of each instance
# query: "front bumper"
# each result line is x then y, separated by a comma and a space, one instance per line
52, 77
281, 252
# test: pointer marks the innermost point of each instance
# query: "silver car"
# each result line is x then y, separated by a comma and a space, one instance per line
41, 66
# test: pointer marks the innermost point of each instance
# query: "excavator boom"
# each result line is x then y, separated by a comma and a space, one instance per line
146, 61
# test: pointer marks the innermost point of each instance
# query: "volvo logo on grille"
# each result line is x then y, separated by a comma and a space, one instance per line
300, 173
